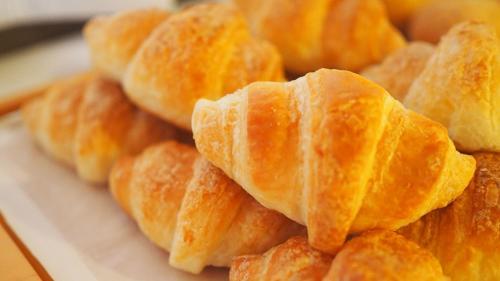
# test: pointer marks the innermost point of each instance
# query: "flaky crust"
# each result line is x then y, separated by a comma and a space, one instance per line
345, 156
87, 122
114, 40
374, 255
294, 259
345, 34
167, 62
460, 87
436, 18
465, 235
398, 70
191, 209
52, 119
109, 125
384, 255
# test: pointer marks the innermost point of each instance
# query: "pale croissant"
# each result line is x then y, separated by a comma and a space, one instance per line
460, 87
465, 236
87, 122
332, 151
167, 62
373, 256
436, 18
311, 34
398, 70
191, 209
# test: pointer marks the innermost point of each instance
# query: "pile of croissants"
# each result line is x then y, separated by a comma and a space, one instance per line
389, 174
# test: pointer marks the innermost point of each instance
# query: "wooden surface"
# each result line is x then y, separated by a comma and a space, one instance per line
15, 100
16, 262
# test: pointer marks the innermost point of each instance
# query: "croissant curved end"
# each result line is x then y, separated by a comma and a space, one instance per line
31, 113
208, 128
119, 180
199, 112
113, 40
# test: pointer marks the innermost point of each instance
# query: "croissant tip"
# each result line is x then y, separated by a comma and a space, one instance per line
119, 179
199, 115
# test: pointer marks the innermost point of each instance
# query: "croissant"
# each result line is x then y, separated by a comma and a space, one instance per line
437, 17
374, 255
345, 156
465, 236
400, 11
460, 87
398, 70
310, 34
114, 40
87, 122
204, 51
190, 208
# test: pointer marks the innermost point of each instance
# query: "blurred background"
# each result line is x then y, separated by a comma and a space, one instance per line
14, 12
40, 40
39, 37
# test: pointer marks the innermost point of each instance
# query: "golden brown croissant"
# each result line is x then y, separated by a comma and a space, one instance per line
465, 236
374, 255
398, 70
400, 11
204, 51
332, 151
435, 19
310, 34
190, 208
87, 122
114, 40
52, 118
460, 87
294, 259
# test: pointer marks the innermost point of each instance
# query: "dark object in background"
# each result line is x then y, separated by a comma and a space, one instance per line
23, 35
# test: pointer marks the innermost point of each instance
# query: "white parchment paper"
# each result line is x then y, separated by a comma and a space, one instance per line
74, 229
